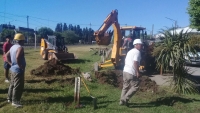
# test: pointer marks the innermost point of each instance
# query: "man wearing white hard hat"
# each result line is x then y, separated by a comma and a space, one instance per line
131, 72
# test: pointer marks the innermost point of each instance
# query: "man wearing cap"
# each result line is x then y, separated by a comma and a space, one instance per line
6, 47
15, 57
131, 72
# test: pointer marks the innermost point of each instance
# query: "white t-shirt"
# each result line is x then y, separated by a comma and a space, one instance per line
132, 55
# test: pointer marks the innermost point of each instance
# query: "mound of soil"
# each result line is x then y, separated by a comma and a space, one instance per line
147, 84
114, 78
53, 67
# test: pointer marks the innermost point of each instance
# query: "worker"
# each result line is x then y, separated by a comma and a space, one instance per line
127, 43
6, 47
15, 57
131, 72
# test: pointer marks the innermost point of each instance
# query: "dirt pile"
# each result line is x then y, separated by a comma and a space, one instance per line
146, 84
114, 78
53, 67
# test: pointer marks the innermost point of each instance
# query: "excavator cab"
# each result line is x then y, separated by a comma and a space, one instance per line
55, 48
133, 32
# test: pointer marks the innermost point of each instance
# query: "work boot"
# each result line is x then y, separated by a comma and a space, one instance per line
17, 104
123, 102
7, 81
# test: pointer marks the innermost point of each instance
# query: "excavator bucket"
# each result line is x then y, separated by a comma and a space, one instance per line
104, 39
64, 56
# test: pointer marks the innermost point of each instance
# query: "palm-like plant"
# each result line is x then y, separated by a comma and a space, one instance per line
174, 47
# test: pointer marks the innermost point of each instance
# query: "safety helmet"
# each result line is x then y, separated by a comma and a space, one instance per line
137, 41
19, 36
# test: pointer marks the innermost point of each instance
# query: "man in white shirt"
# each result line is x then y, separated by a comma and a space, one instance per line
131, 72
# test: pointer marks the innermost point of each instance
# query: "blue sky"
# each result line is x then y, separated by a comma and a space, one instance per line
48, 13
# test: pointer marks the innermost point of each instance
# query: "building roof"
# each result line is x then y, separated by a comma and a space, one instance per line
178, 30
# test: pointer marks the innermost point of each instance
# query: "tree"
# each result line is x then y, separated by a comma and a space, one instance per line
171, 53
194, 13
70, 37
65, 27
70, 27
44, 31
59, 27
6, 32
58, 34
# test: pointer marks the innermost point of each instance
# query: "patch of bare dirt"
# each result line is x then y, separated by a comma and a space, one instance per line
50, 80
54, 67
112, 77
115, 78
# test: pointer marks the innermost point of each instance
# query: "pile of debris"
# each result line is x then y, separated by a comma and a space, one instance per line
54, 67
115, 78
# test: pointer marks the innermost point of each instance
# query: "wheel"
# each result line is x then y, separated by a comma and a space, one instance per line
50, 56
45, 54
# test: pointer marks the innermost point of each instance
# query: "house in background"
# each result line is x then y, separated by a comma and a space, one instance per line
178, 30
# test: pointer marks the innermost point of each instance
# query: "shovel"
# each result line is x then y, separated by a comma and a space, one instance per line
94, 99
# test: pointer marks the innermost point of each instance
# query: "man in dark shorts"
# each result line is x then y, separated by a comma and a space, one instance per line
6, 47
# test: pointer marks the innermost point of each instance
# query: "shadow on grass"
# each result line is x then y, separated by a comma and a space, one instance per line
3, 102
103, 104
39, 90
76, 61
43, 80
4, 91
168, 101
68, 101
50, 81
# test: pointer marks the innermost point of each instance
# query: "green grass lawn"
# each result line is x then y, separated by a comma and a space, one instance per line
57, 97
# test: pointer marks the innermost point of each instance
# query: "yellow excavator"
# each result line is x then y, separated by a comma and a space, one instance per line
55, 48
118, 53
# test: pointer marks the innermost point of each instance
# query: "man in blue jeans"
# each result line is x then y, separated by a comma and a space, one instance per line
6, 47
15, 57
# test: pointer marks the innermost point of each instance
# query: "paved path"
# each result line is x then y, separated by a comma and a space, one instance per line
164, 80
161, 80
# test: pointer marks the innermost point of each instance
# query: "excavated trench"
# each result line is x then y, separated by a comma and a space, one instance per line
114, 78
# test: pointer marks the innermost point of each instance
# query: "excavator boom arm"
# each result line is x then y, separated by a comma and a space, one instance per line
104, 38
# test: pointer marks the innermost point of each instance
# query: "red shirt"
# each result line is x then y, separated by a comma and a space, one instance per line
6, 48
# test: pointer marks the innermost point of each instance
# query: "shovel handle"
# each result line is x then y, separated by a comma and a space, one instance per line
85, 86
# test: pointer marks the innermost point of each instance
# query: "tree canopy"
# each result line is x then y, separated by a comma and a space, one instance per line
44, 31
70, 37
6, 32
194, 13
71, 33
